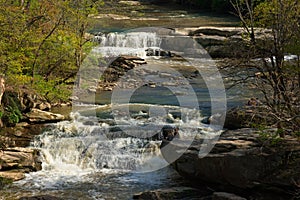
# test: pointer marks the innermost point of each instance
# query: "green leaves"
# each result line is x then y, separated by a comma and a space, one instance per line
44, 41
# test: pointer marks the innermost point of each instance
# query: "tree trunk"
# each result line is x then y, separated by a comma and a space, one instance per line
2, 87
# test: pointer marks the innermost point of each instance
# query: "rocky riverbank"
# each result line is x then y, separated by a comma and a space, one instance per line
23, 116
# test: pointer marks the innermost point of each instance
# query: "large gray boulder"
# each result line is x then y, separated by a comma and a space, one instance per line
243, 159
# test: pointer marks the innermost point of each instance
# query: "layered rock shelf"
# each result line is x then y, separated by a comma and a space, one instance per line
242, 159
14, 162
224, 42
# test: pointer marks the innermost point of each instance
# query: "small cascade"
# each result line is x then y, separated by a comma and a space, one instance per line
131, 39
131, 43
88, 143
79, 145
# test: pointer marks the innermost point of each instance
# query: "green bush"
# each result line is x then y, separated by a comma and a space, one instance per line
12, 115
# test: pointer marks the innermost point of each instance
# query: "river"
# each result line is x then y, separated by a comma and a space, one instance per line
107, 151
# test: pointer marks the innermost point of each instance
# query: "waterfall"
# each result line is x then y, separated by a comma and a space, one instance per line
88, 143
131, 43
79, 145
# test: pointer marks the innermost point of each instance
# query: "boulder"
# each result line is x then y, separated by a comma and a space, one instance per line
39, 116
241, 159
182, 193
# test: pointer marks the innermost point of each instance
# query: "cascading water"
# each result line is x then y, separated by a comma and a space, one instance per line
91, 146
86, 144
131, 43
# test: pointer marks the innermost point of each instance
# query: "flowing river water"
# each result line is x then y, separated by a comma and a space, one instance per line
109, 151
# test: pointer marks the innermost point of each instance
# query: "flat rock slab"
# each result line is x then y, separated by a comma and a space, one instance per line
39, 116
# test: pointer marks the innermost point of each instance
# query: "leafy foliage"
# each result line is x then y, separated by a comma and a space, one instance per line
44, 42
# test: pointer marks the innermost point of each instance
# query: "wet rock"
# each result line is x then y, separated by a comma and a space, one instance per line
240, 159
226, 196
182, 193
39, 116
